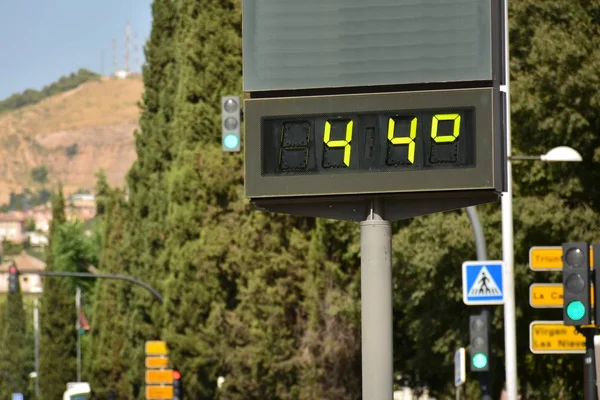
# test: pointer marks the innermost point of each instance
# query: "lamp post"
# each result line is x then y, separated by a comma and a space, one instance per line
557, 154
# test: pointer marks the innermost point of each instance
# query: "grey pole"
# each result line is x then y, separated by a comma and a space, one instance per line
376, 305
78, 325
36, 347
589, 368
481, 248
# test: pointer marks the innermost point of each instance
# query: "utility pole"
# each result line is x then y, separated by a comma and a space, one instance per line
36, 346
78, 326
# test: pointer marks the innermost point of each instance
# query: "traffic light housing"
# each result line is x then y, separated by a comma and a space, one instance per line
479, 351
576, 283
13, 279
231, 122
596, 264
177, 385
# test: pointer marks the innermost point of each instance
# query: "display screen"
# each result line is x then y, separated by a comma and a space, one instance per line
295, 44
369, 142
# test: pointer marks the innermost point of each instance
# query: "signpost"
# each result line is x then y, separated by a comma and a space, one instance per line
483, 282
159, 392
575, 333
373, 130
553, 337
460, 367
460, 370
159, 378
549, 258
157, 362
548, 295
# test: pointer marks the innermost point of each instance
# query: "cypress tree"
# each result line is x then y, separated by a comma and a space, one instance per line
144, 227
105, 365
14, 355
58, 342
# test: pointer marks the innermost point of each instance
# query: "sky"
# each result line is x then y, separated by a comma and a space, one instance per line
42, 40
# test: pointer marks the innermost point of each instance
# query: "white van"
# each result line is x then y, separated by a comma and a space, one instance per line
77, 391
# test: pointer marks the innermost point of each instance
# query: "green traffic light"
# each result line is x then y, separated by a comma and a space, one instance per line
576, 310
231, 141
480, 360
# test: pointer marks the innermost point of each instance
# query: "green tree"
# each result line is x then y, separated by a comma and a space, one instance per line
57, 316
14, 354
39, 174
105, 365
143, 227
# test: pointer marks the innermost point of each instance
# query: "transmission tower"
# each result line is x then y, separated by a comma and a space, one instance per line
127, 30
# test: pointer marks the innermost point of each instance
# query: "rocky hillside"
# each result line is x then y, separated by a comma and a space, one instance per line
73, 135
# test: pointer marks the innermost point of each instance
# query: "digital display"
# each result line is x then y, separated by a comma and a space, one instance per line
294, 44
369, 142
375, 143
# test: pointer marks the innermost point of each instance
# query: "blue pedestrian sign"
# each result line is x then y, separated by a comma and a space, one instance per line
483, 282
17, 396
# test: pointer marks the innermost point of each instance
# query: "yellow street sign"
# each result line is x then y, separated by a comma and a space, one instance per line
157, 362
549, 295
546, 295
156, 348
159, 376
159, 392
549, 258
553, 337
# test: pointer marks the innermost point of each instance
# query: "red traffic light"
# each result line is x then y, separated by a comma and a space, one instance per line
12, 269
176, 375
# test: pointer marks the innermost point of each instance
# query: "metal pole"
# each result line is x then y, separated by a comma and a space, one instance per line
510, 326
36, 346
95, 276
589, 368
376, 305
78, 325
485, 378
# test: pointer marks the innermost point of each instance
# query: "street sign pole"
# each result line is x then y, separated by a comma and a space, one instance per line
376, 305
589, 368
485, 380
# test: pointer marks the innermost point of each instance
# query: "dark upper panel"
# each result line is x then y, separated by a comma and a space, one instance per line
298, 44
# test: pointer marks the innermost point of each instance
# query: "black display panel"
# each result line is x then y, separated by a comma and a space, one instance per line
368, 142
378, 143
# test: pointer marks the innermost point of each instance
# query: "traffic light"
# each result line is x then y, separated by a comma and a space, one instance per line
177, 385
479, 338
13, 279
230, 123
576, 283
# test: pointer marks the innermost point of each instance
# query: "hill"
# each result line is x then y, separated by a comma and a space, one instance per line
72, 135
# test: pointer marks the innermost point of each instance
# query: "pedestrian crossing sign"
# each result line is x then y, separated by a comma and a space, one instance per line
483, 282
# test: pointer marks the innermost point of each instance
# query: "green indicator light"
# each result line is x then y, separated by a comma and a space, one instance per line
231, 141
480, 360
576, 310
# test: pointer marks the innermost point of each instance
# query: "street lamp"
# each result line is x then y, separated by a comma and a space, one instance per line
561, 153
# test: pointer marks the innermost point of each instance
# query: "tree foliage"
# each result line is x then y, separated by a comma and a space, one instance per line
272, 302
15, 359
31, 96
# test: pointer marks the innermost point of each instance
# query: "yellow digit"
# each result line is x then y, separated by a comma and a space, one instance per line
409, 140
455, 130
345, 143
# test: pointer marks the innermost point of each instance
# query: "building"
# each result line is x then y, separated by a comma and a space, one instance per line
30, 284
12, 227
